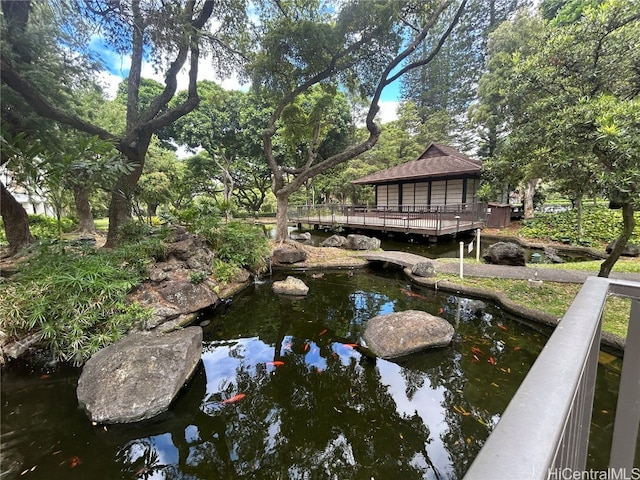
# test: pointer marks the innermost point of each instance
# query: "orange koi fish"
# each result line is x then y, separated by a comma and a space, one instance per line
234, 399
323, 332
351, 345
492, 361
477, 351
75, 461
440, 310
515, 349
276, 363
501, 326
409, 293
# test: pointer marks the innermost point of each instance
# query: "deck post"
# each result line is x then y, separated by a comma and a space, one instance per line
461, 259
625, 430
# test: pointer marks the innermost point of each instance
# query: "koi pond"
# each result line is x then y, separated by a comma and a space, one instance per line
283, 392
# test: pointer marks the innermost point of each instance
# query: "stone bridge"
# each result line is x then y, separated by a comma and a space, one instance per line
402, 259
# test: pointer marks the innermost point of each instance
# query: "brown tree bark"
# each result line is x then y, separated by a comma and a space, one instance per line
83, 209
629, 223
120, 206
16, 221
529, 192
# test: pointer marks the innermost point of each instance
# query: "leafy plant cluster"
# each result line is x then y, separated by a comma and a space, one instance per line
43, 227
75, 297
238, 244
600, 225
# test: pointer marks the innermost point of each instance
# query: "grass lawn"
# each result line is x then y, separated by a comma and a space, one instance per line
555, 298
102, 224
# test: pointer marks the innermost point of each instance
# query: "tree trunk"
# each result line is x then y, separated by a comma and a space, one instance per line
629, 223
83, 209
578, 207
529, 192
282, 220
120, 206
152, 210
16, 221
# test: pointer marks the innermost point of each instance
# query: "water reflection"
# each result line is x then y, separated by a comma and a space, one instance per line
298, 399
284, 391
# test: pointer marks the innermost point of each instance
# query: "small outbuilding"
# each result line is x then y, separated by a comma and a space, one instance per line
440, 176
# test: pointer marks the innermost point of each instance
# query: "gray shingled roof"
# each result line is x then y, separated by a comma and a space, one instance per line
436, 161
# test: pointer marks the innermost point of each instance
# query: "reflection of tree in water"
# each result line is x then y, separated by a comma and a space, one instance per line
327, 412
338, 423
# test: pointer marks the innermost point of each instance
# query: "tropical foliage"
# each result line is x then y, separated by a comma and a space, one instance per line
600, 225
75, 299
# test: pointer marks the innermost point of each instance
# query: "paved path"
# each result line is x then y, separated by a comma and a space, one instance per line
495, 271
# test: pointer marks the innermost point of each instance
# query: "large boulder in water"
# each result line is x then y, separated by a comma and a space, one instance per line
504, 253
402, 333
290, 286
139, 376
334, 241
362, 242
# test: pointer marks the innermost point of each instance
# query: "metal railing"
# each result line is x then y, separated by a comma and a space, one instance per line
544, 432
408, 217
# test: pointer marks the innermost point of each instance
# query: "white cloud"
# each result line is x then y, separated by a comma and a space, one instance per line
206, 71
388, 111
109, 83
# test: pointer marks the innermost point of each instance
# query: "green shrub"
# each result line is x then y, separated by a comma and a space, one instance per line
224, 271
44, 228
197, 277
242, 244
202, 219
600, 225
75, 298
238, 244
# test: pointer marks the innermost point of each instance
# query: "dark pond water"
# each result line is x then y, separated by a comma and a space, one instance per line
283, 393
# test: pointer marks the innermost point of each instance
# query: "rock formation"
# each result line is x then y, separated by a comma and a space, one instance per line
362, 242
139, 376
504, 253
290, 286
402, 333
424, 269
288, 254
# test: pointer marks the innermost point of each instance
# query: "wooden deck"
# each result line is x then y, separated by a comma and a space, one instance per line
429, 221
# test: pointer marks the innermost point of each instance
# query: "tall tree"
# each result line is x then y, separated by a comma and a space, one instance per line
171, 35
19, 149
448, 85
23, 26
360, 45
223, 126
577, 94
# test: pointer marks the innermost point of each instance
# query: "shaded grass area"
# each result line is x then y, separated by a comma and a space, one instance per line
623, 265
552, 298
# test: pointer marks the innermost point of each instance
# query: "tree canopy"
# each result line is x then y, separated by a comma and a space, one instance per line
170, 35
565, 96
360, 46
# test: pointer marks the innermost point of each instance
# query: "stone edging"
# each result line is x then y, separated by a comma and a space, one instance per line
611, 342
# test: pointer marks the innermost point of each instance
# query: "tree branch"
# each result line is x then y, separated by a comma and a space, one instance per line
43, 107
